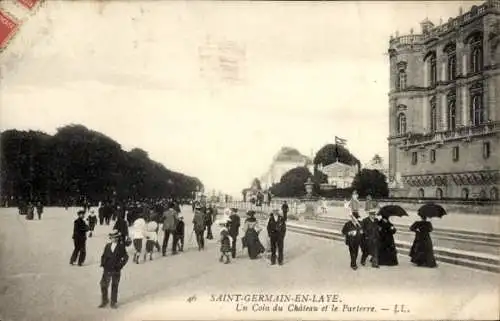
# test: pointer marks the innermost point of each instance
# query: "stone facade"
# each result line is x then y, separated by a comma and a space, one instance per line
340, 175
286, 159
444, 107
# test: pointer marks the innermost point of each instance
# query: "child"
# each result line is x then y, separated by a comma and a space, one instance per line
225, 243
92, 219
138, 228
179, 231
151, 239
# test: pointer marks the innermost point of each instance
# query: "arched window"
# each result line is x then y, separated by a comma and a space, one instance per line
476, 52
433, 115
452, 114
421, 193
439, 193
465, 194
433, 70
401, 123
482, 194
477, 110
452, 61
402, 80
494, 194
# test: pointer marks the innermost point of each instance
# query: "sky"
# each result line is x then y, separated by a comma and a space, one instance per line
145, 74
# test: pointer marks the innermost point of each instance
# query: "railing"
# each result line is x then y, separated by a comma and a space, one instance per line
459, 133
452, 23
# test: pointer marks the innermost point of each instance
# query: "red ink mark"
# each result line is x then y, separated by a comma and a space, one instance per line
29, 3
8, 27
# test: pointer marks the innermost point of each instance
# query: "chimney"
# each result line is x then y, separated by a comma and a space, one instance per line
426, 26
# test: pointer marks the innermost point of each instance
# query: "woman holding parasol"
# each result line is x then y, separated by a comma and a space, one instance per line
422, 252
387, 254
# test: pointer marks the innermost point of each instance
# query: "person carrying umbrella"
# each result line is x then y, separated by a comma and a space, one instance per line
422, 251
388, 254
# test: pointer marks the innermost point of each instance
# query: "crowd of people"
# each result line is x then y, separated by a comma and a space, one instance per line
375, 237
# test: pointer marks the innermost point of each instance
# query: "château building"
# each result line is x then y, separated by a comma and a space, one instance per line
444, 104
286, 159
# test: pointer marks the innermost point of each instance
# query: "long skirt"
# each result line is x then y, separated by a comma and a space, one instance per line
253, 244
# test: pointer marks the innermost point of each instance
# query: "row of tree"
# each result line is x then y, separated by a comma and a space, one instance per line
77, 161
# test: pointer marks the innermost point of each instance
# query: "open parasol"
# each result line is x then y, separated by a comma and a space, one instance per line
431, 210
392, 210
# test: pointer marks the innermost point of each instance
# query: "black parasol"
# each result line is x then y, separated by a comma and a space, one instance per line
431, 210
392, 210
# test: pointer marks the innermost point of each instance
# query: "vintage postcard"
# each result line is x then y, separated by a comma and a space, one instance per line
249, 160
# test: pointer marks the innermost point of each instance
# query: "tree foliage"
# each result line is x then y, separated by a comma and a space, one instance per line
370, 181
292, 183
78, 162
329, 153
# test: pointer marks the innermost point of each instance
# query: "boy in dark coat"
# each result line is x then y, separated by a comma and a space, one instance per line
113, 259
353, 234
179, 231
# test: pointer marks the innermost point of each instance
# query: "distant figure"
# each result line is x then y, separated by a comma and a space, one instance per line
354, 205
225, 243
179, 232
199, 227
92, 219
285, 209
80, 229
138, 229
169, 226
113, 259
122, 226
422, 252
324, 207
208, 218
151, 235
234, 229
39, 209
276, 229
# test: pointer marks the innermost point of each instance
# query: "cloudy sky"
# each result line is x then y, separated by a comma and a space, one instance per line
296, 74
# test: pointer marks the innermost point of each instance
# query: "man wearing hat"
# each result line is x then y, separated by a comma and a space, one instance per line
199, 227
276, 229
80, 229
113, 259
371, 239
234, 228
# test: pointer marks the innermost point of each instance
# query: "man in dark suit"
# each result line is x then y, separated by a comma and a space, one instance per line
284, 209
276, 229
113, 259
80, 229
234, 229
353, 234
371, 239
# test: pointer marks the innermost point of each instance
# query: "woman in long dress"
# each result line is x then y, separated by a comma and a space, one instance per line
387, 253
422, 252
251, 230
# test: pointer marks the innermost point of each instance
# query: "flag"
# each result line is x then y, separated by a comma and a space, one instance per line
340, 141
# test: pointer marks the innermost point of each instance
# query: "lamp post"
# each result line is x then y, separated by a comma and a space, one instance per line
309, 199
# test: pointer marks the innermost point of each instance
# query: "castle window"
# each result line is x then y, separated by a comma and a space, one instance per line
486, 150
433, 71
452, 61
482, 194
494, 194
432, 155
421, 193
452, 114
402, 80
433, 115
439, 193
476, 49
465, 194
455, 154
401, 126
476, 110
414, 158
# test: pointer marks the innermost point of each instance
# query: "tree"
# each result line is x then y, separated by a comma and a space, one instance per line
77, 162
292, 183
330, 153
371, 181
